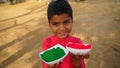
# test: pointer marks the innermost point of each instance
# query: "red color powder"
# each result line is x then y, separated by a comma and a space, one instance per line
79, 46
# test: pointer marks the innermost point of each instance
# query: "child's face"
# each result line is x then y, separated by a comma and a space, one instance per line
61, 25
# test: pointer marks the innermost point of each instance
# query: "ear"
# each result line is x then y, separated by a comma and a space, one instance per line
49, 24
72, 21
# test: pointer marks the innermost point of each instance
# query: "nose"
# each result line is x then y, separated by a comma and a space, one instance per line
62, 27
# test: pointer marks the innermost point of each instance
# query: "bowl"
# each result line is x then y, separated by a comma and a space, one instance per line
54, 54
77, 48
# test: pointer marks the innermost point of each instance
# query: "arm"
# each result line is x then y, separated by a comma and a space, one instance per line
78, 60
46, 45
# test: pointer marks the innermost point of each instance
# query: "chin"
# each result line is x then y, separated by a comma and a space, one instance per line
62, 36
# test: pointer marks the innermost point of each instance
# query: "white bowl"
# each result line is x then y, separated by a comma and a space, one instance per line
58, 60
79, 51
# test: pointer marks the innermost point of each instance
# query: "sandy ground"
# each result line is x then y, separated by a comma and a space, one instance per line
24, 25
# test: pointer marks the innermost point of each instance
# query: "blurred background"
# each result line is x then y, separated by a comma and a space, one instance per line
23, 25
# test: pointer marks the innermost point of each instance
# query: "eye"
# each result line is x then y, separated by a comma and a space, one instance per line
55, 23
66, 22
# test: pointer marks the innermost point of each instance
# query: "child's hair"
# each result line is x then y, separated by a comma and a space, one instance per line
57, 7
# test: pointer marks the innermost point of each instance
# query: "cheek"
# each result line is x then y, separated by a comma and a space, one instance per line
69, 28
54, 30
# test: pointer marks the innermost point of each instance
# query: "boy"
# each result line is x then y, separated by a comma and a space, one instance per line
60, 20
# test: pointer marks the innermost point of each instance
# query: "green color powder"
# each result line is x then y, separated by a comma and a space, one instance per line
53, 54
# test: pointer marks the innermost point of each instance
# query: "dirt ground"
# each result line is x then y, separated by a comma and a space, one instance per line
24, 25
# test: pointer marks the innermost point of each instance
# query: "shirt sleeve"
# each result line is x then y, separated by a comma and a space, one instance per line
79, 40
67, 62
82, 65
45, 45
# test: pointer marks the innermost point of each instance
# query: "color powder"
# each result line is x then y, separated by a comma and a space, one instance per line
80, 46
53, 54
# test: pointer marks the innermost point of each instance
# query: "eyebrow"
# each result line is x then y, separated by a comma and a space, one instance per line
66, 20
54, 22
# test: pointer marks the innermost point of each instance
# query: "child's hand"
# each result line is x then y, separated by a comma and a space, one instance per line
76, 59
86, 56
54, 65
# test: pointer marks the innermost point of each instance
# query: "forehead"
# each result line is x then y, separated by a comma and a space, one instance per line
60, 18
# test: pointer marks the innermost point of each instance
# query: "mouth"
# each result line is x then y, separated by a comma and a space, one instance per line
63, 34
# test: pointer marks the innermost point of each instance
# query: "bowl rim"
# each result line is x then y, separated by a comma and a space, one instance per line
78, 43
78, 51
57, 45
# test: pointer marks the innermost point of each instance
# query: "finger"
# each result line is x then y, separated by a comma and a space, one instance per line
77, 56
60, 62
56, 65
87, 56
50, 66
80, 56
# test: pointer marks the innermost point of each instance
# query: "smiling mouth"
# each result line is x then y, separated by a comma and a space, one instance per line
63, 33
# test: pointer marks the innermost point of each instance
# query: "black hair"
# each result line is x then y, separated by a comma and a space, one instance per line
57, 7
